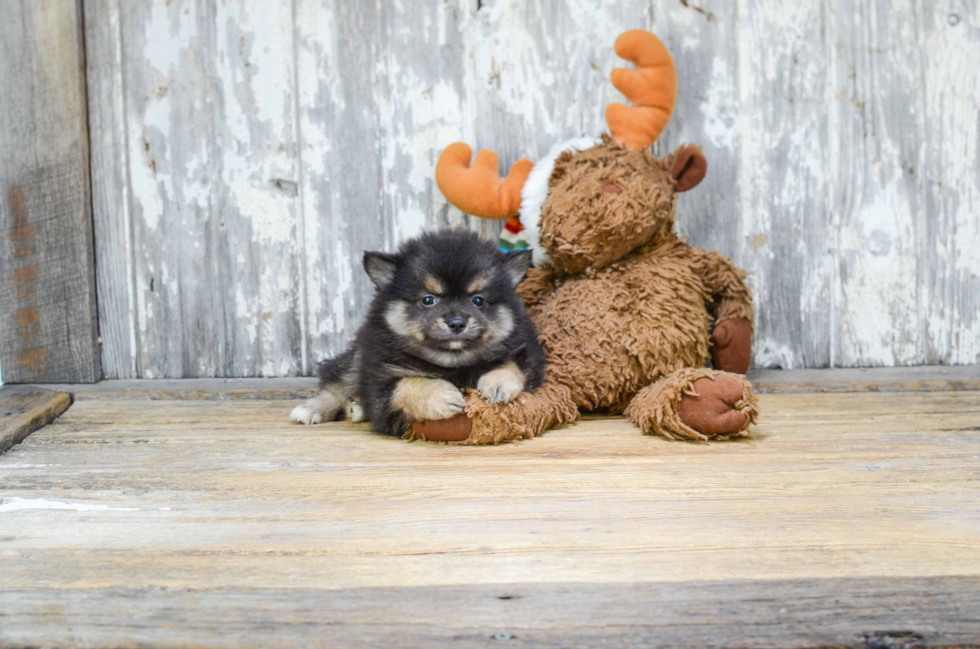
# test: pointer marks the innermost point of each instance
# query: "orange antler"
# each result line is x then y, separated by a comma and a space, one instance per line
478, 189
651, 87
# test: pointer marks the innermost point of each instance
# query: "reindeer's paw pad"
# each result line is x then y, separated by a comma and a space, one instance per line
714, 411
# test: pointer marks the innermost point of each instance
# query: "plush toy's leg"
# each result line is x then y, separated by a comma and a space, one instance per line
528, 415
695, 403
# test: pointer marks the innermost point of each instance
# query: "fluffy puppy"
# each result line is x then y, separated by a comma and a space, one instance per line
445, 317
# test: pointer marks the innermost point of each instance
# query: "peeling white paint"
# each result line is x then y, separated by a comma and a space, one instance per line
881, 283
20, 504
250, 218
341, 293
719, 113
164, 26
952, 97
150, 183
771, 354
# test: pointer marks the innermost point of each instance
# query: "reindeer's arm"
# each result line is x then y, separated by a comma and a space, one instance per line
730, 303
728, 296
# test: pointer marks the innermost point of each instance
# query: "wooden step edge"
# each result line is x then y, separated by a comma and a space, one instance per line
25, 409
925, 378
929, 378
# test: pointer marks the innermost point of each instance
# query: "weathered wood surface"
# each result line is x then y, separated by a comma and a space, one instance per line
111, 189
841, 515
295, 388
936, 378
890, 613
48, 322
929, 378
245, 153
24, 409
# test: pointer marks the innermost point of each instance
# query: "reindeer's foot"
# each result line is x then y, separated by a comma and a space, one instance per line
695, 403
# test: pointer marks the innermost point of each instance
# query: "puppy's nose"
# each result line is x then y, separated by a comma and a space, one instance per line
456, 324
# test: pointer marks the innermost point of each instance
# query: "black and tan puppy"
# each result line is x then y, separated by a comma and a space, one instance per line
445, 317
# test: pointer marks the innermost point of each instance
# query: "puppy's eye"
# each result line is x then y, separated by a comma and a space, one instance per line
479, 301
429, 300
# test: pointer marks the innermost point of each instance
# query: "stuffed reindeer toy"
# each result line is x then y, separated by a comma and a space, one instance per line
627, 312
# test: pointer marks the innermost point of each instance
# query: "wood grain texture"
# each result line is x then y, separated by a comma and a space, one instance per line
115, 273
929, 378
202, 124
890, 613
48, 322
240, 172
841, 515
296, 388
877, 195
784, 170
948, 233
24, 409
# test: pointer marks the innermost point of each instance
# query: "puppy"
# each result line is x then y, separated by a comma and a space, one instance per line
445, 317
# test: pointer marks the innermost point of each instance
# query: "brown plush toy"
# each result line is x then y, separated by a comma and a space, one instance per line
626, 310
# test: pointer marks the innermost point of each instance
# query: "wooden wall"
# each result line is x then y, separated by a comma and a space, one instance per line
245, 152
48, 324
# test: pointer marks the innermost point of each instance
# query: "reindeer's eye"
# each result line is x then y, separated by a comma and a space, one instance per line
479, 301
429, 300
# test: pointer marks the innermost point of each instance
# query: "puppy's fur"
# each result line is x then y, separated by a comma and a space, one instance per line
446, 317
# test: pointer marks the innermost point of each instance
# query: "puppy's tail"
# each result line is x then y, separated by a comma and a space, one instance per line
339, 370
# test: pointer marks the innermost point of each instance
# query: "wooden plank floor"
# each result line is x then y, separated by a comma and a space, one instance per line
843, 519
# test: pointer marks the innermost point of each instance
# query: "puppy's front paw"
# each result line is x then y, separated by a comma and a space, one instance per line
427, 399
354, 410
501, 385
321, 408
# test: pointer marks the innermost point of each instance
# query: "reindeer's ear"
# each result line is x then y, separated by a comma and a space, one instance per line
689, 168
381, 267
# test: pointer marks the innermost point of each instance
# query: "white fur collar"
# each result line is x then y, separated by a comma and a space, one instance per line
535, 191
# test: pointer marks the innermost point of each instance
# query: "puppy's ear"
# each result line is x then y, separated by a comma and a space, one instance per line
381, 267
516, 264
